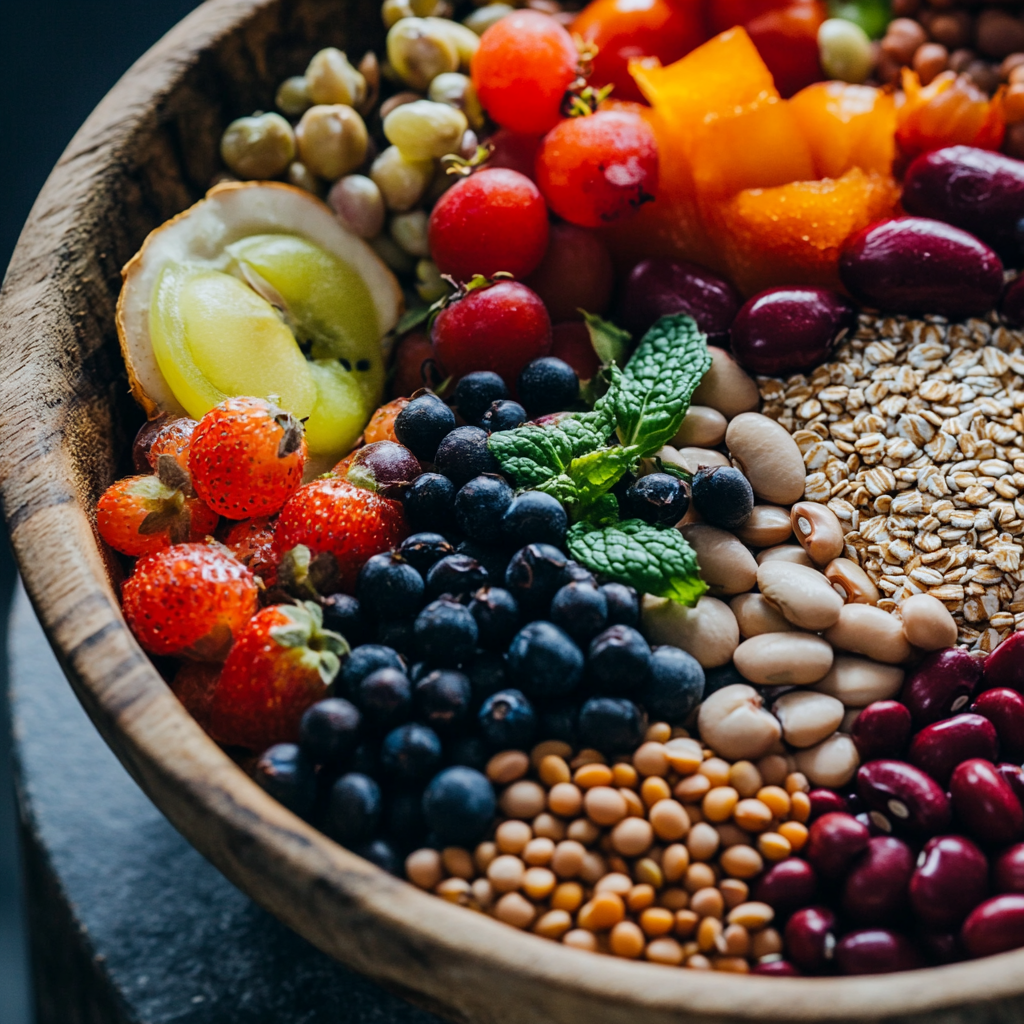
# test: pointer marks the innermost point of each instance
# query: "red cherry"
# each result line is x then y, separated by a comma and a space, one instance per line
787, 39
576, 273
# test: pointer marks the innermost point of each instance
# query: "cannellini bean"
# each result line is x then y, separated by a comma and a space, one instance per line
768, 457
782, 659
831, 763
863, 629
803, 595
691, 459
702, 426
858, 682
726, 565
818, 530
851, 582
785, 553
707, 631
726, 386
807, 717
767, 526
755, 616
927, 623
734, 723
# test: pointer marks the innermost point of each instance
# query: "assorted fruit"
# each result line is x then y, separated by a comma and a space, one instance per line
460, 522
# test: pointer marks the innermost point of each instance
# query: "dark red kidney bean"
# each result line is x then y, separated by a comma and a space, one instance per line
882, 729
996, 926
1013, 775
789, 329
877, 824
876, 951
826, 801
938, 748
1004, 708
658, 287
1008, 870
1005, 665
787, 886
941, 685
974, 189
985, 803
949, 881
810, 936
914, 264
778, 968
833, 841
904, 797
1012, 307
876, 885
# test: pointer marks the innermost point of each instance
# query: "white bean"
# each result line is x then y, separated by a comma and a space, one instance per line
864, 629
803, 595
927, 623
858, 682
702, 426
851, 582
783, 659
785, 553
767, 526
807, 717
756, 616
768, 457
733, 722
831, 763
726, 386
726, 565
707, 631
818, 530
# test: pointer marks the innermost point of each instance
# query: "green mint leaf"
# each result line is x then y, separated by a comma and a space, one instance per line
655, 560
654, 393
602, 512
611, 343
595, 473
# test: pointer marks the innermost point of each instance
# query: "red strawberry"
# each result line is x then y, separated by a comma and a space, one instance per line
247, 457
165, 435
251, 541
190, 600
282, 662
193, 685
382, 423
330, 516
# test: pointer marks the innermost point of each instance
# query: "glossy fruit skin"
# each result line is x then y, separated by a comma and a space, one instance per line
480, 506
949, 881
985, 803
786, 329
503, 415
1008, 870
494, 220
521, 70
904, 796
361, 662
658, 498
723, 496
354, 806
288, 776
382, 423
534, 518
445, 634
389, 587
826, 801
497, 617
875, 889
618, 660
423, 424
675, 684
500, 328
576, 273
533, 575
788, 885
459, 806
545, 661
938, 748
429, 502
623, 604
996, 926
455, 574
580, 610
547, 385
882, 729
833, 842
611, 724
329, 731
385, 697
941, 685
475, 393
165, 435
1005, 665
599, 169
410, 753
514, 150
384, 467
776, 968
443, 699
787, 40
811, 938
876, 951
1013, 776
1004, 708
507, 720
974, 189
913, 264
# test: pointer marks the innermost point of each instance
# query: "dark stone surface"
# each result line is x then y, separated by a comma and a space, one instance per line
130, 923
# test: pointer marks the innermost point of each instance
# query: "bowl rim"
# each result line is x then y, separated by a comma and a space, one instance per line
463, 965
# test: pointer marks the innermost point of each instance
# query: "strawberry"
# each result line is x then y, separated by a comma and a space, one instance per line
193, 685
331, 516
189, 600
142, 514
251, 541
382, 423
166, 435
282, 662
247, 457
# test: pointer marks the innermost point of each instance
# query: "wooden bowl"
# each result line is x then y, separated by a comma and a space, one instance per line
148, 151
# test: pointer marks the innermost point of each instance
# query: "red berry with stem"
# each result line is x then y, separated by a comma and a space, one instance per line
521, 70
598, 169
494, 220
247, 457
576, 273
189, 600
251, 541
281, 663
166, 435
501, 328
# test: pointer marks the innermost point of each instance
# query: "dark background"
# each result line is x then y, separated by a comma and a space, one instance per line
57, 60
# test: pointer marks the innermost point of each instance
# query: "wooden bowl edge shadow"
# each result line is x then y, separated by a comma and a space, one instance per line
459, 964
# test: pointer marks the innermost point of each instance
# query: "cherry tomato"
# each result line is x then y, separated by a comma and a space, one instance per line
576, 273
787, 39
623, 29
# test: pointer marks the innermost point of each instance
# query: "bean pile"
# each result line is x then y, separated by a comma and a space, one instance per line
659, 855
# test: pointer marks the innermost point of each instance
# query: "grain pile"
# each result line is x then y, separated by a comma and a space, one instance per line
914, 436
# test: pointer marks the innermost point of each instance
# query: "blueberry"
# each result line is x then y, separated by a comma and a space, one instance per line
480, 505
459, 806
422, 550
533, 575
428, 502
487, 674
455, 574
497, 616
464, 454
558, 722
476, 391
675, 685
385, 697
364, 660
422, 424
493, 559
723, 496
623, 604
544, 661
396, 633
403, 819
418, 671
534, 518
389, 587
504, 415
581, 610
507, 720
445, 634
381, 853
287, 775
353, 809
442, 700
658, 498
470, 752
343, 614
547, 385
611, 725
576, 573
618, 660
366, 758
719, 678
329, 731
410, 753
